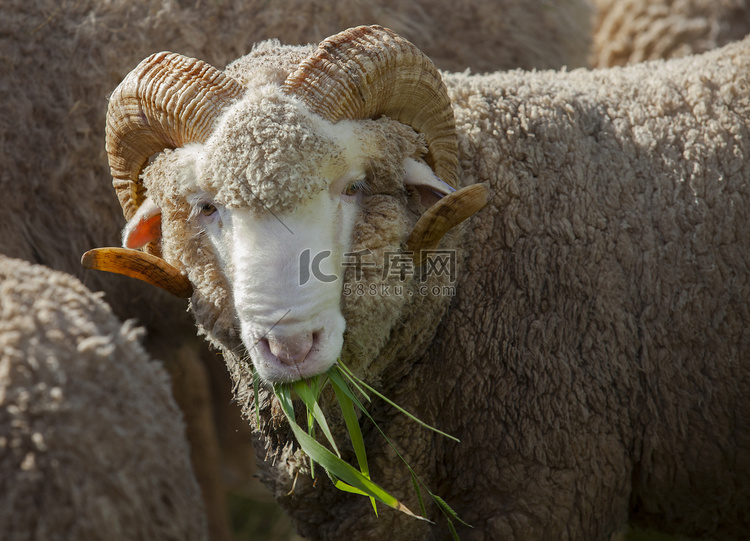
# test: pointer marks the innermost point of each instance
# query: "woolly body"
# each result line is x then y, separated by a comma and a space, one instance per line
593, 357
92, 444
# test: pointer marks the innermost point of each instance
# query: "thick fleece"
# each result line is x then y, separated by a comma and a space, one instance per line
616, 259
92, 444
59, 61
595, 355
630, 31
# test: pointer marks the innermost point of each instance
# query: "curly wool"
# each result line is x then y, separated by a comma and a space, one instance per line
593, 360
92, 445
61, 60
250, 163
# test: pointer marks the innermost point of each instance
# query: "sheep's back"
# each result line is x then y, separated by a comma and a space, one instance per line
606, 298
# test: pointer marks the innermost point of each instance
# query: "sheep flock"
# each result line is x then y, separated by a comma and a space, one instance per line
592, 353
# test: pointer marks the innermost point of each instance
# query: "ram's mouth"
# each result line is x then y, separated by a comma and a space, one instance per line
286, 357
286, 341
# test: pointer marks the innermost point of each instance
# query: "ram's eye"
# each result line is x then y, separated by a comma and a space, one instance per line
353, 188
206, 209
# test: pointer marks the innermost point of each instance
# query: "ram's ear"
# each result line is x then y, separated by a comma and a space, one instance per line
430, 188
144, 227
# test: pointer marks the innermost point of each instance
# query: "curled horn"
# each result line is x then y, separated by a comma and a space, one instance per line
142, 266
443, 216
168, 100
370, 71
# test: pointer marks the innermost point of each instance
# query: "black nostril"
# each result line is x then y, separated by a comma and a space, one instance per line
316, 338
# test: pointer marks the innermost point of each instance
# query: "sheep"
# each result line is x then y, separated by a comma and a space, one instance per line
586, 336
629, 31
92, 444
60, 60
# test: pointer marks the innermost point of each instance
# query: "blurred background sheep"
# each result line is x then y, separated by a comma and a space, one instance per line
92, 444
631, 31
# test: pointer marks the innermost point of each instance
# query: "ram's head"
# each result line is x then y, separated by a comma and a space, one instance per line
293, 189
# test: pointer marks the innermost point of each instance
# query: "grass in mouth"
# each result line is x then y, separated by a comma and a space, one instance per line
343, 475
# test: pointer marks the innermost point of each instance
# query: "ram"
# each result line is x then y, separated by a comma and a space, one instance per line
92, 444
593, 354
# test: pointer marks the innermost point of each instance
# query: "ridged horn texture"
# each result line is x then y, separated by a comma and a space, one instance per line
168, 100
370, 71
443, 216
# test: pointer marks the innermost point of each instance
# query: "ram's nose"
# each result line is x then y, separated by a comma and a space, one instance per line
295, 351
291, 350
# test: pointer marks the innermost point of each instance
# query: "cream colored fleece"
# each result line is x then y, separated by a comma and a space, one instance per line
59, 61
92, 444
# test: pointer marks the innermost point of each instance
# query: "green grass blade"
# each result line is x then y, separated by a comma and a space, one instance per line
343, 395
343, 370
452, 528
355, 433
447, 510
339, 484
374, 504
345, 472
333, 464
354, 379
342, 381
415, 482
344, 476
310, 398
284, 394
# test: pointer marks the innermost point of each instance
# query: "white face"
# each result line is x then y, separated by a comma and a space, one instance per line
281, 261
286, 282
284, 269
